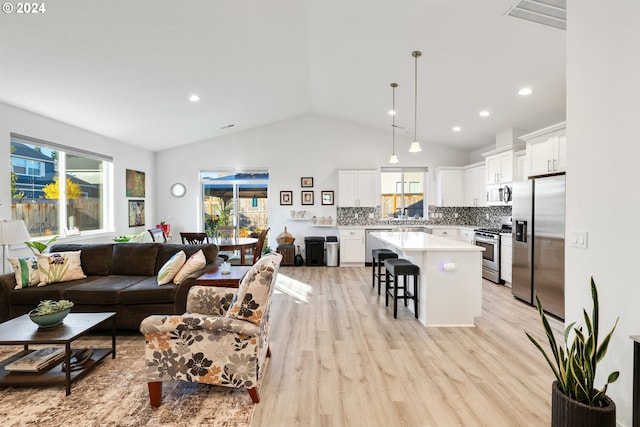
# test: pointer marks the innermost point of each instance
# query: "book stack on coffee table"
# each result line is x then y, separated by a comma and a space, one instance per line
37, 360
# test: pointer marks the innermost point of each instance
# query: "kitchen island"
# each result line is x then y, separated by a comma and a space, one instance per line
450, 288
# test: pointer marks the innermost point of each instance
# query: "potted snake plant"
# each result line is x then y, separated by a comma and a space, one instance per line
575, 400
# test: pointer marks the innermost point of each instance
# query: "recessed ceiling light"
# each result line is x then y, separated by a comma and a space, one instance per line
456, 128
484, 113
194, 98
525, 91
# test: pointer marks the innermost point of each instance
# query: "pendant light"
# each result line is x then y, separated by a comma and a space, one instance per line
415, 145
393, 158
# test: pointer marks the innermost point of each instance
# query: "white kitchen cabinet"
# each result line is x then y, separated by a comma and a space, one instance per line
449, 186
521, 172
499, 167
352, 246
466, 235
547, 150
358, 188
449, 233
506, 257
475, 191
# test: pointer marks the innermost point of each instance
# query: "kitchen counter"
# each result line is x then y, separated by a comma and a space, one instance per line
450, 288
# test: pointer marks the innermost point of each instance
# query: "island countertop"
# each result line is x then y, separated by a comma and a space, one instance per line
417, 241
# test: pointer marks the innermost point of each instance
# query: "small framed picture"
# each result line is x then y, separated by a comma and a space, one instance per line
307, 197
306, 181
286, 197
327, 197
136, 213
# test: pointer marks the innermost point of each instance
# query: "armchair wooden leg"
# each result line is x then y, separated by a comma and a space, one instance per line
268, 351
155, 393
253, 392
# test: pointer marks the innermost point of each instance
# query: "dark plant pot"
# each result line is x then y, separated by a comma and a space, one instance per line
566, 412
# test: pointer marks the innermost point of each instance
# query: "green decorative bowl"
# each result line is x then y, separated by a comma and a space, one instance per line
49, 320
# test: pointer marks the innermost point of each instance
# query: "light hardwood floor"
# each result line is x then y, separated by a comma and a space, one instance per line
339, 358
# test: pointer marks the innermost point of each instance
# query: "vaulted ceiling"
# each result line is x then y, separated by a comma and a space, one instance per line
125, 69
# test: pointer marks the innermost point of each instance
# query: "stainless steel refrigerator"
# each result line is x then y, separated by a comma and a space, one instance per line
538, 215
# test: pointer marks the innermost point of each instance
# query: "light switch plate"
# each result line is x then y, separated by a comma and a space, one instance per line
578, 239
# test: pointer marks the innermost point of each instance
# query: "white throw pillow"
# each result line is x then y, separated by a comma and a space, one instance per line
26, 270
59, 267
195, 262
170, 268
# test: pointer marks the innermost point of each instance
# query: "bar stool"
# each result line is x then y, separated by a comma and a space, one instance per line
401, 267
378, 257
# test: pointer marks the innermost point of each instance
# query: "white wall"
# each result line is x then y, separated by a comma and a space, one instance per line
125, 156
603, 107
312, 145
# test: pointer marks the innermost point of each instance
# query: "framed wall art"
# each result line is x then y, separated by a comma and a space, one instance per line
307, 197
306, 181
327, 197
136, 213
134, 183
286, 197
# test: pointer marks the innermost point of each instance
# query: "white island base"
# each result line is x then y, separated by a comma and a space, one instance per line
450, 287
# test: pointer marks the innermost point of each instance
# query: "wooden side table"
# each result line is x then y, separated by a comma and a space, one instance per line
288, 254
216, 278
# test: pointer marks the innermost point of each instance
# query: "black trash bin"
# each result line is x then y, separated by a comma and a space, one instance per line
314, 250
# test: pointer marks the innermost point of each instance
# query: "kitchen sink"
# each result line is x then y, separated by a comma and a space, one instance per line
409, 229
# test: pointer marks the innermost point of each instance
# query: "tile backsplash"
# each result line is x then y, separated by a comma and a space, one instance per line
490, 216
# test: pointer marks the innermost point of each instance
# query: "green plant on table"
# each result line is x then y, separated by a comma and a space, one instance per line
39, 247
574, 366
50, 306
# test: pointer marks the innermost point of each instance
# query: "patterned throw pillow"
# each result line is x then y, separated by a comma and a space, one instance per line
254, 290
59, 267
26, 270
195, 262
170, 268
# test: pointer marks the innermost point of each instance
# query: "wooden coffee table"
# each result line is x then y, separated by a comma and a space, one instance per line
216, 278
22, 331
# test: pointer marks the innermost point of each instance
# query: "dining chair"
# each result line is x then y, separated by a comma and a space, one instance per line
157, 235
257, 251
194, 238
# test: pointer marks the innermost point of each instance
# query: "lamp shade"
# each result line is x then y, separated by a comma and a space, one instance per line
415, 147
12, 232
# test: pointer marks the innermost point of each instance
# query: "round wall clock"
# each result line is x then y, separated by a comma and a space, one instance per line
178, 190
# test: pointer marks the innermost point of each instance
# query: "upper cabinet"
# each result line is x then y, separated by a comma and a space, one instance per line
547, 150
358, 188
521, 172
449, 186
475, 191
499, 167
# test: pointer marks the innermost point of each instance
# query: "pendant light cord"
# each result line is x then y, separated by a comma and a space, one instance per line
415, 98
393, 118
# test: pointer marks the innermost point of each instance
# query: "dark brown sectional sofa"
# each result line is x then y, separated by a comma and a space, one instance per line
120, 277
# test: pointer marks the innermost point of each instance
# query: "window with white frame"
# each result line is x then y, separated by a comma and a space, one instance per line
56, 188
404, 192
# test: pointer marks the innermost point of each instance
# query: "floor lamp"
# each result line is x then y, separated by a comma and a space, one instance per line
11, 232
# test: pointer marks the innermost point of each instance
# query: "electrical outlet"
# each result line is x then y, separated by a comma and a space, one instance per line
579, 239
455, 215
371, 215
355, 215
487, 216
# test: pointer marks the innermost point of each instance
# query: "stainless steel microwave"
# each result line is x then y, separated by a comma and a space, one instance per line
499, 195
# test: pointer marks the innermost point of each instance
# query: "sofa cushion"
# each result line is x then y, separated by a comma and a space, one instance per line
59, 267
147, 291
26, 271
104, 290
94, 258
166, 251
170, 268
195, 263
134, 259
33, 295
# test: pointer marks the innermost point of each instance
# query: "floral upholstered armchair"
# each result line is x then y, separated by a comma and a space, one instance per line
222, 339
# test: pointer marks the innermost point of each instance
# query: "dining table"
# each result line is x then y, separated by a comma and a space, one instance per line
241, 244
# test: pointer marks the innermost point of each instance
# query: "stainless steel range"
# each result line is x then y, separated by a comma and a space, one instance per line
489, 239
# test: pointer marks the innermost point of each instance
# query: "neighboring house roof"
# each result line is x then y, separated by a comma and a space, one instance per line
23, 150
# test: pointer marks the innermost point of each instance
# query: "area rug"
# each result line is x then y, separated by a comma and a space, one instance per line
115, 394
